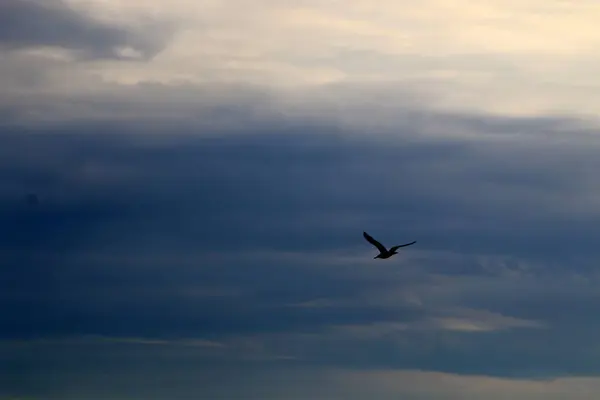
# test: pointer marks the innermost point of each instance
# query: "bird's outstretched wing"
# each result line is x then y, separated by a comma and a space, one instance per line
374, 242
402, 245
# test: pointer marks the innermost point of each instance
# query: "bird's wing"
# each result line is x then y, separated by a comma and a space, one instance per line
402, 245
374, 242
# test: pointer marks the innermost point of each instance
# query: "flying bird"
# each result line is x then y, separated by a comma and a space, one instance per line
383, 252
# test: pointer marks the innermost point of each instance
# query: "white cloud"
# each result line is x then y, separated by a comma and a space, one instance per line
493, 56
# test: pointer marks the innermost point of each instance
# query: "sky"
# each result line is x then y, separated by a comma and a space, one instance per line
185, 184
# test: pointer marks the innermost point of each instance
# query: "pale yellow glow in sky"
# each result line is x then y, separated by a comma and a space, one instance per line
503, 57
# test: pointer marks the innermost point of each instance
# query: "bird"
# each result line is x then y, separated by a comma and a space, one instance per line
383, 252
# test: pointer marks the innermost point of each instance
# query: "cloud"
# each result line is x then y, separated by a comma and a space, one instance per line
461, 58
131, 231
32, 24
218, 191
114, 370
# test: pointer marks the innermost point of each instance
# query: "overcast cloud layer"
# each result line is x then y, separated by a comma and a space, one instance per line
203, 173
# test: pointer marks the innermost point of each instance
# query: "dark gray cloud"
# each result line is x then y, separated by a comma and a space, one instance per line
222, 236
33, 23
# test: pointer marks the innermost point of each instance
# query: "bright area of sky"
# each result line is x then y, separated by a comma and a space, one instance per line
204, 171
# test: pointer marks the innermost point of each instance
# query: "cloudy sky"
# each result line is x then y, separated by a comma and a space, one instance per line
204, 171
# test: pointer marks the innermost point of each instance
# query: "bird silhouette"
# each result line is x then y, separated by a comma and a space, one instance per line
383, 252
